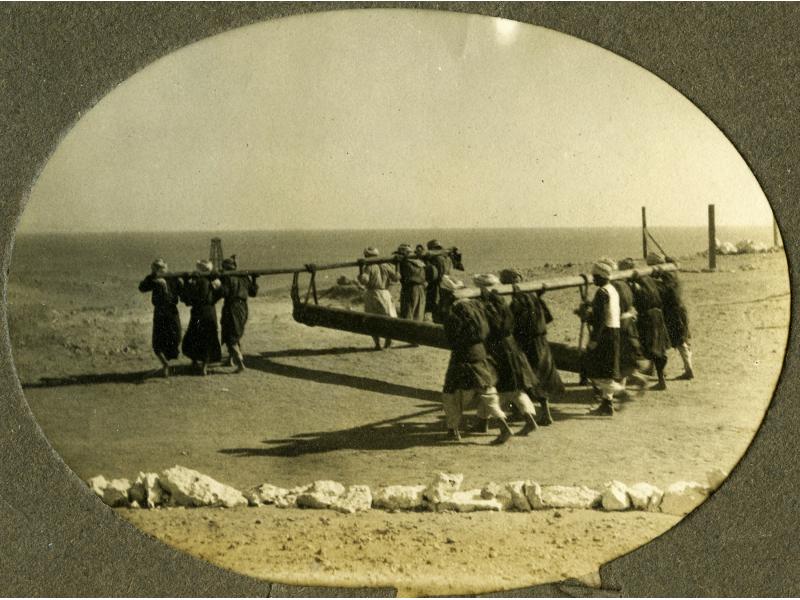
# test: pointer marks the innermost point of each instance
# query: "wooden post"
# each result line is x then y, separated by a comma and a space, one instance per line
712, 239
644, 233
215, 255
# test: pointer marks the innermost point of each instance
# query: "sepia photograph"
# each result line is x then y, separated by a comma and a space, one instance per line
440, 302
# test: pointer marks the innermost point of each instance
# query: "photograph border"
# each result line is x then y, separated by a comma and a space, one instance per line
736, 63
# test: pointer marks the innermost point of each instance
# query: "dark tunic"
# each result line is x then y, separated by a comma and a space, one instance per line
653, 335
531, 317
676, 318
603, 361
201, 342
470, 367
412, 289
440, 265
514, 372
166, 319
629, 348
235, 289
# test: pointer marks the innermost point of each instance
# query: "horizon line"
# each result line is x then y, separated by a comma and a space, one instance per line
349, 229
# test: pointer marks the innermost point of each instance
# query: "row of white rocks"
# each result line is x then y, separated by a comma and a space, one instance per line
179, 486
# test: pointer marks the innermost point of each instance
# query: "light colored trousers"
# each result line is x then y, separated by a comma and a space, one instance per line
485, 401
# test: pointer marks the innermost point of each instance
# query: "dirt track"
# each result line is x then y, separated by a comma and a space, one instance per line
320, 404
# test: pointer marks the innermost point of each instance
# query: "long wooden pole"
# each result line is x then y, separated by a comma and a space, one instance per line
644, 233
712, 239
561, 283
290, 270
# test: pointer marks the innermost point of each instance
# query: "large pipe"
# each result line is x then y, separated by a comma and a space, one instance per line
567, 358
560, 283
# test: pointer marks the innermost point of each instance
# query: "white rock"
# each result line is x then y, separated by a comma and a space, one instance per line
645, 496
518, 499
113, 493
187, 487
266, 493
715, 477
726, 248
97, 484
615, 496
321, 494
683, 497
499, 492
533, 493
399, 497
467, 501
443, 486
290, 499
146, 490
565, 496
357, 498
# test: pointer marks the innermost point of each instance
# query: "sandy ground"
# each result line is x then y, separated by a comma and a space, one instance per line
320, 404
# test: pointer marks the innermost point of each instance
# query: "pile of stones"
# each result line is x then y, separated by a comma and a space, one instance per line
182, 487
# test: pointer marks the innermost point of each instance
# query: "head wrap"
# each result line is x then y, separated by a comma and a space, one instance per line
159, 265
371, 251
627, 263
434, 245
601, 269
229, 264
204, 266
654, 258
486, 280
610, 262
450, 284
404, 249
509, 276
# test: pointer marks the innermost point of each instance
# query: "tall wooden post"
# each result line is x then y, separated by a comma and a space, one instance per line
644, 233
215, 255
712, 239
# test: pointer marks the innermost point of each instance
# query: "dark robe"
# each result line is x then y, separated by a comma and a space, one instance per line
653, 335
166, 336
630, 350
201, 342
235, 289
412, 289
602, 362
470, 367
531, 317
439, 265
514, 372
676, 317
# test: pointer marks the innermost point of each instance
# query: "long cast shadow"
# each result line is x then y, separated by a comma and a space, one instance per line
263, 363
396, 433
299, 352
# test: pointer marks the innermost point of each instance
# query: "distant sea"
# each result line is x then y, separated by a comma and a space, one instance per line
104, 266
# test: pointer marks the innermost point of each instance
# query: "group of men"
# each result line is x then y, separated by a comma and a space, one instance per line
634, 322
420, 272
500, 358
201, 292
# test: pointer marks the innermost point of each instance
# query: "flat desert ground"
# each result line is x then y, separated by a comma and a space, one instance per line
320, 404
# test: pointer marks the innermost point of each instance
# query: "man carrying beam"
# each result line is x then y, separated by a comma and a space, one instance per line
376, 279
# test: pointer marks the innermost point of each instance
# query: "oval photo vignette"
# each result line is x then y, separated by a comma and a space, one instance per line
324, 139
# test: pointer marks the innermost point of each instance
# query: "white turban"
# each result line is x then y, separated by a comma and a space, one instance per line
371, 251
204, 266
610, 262
601, 269
487, 280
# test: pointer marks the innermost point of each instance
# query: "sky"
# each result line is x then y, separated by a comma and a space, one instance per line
391, 119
